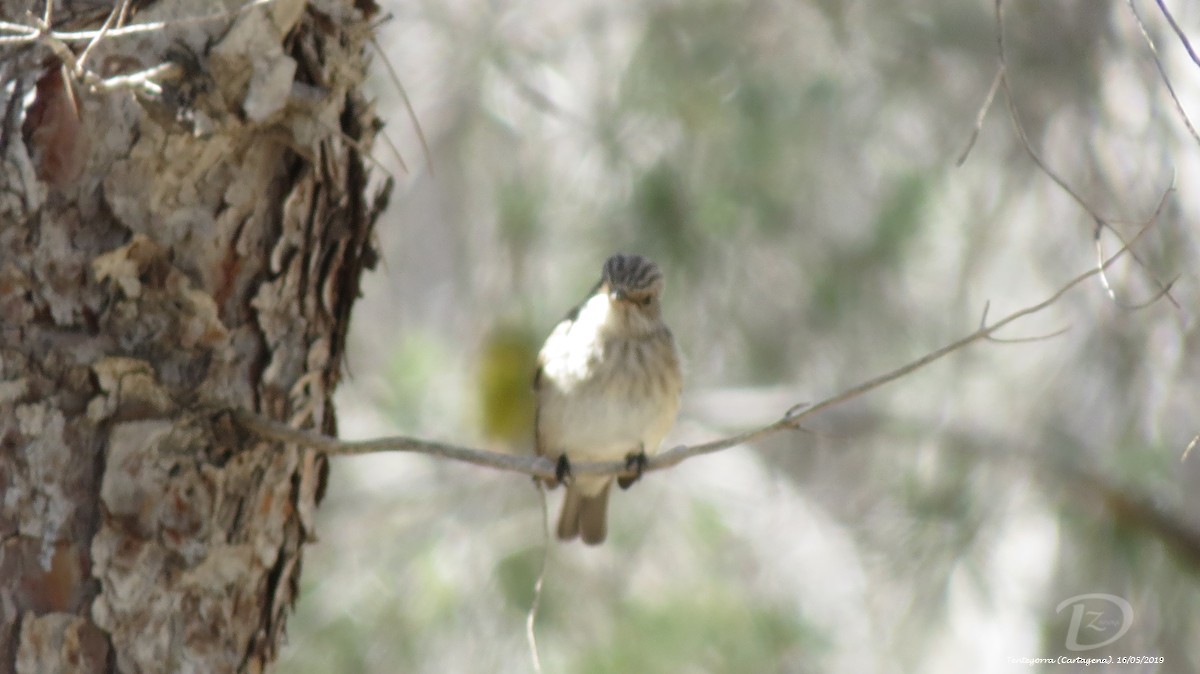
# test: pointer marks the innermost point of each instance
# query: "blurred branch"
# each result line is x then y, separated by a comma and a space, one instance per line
1178, 31
1014, 116
1129, 505
1112, 294
531, 616
983, 110
1162, 71
540, 466
1139, 512
408, 107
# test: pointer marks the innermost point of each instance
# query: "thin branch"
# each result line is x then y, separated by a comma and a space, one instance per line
395, 151
1015, 118
1112, 295
57, 42
1137, 305
408, 106
983, 110
1162, 72
125, 5
108, 23
530, 617
359, 147
1035, 338
1178, 31
41, 31
540, 466
31, 34
142, 79
1017, 340
536, 466
24, 33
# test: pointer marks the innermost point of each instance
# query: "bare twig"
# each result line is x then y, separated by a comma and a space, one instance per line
25, 34
359, 147
1163, 290
40, 30
536, 466
118, 10
408, 106
1016, 340
1034, 338
1019, 128
1162, 72
539, 466
983, 110
387, 138
125, 5
1178, 31
530, 617
142, 79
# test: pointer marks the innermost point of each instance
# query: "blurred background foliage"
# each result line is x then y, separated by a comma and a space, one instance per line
792, 166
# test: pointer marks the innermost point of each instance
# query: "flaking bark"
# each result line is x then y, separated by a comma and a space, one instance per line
163, 259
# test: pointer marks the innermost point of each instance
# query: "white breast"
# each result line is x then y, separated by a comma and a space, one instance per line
596, 401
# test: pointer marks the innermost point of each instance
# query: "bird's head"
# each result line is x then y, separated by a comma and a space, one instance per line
633, 285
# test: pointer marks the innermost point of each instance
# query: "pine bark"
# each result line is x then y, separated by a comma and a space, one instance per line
166, 257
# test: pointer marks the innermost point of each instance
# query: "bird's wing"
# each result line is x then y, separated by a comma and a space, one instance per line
558, 332
539, 380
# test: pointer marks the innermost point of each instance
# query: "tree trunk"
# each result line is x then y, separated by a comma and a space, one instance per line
166, 255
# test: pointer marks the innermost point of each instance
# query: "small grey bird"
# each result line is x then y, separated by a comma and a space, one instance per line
608, 386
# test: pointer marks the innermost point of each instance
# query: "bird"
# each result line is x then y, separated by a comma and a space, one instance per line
608, 386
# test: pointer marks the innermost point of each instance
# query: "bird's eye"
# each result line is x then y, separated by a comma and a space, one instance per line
645, 301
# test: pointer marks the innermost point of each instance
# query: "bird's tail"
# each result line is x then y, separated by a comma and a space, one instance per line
584, 515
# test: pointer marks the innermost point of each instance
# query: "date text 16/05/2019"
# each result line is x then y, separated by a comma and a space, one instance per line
1077, 660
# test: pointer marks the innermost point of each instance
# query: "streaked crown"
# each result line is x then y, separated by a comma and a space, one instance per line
632, 274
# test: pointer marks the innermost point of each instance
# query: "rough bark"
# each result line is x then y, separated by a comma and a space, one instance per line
165, 257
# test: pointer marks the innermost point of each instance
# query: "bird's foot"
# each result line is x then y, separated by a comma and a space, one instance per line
637, 463
562, 469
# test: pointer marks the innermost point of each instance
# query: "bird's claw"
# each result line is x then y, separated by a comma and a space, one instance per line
637, 463
562, 469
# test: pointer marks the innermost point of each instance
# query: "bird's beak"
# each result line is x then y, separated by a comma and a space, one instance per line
618, 296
